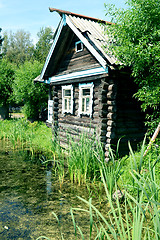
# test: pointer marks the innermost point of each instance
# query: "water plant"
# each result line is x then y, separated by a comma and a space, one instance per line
22, 134
81, 158
137, 216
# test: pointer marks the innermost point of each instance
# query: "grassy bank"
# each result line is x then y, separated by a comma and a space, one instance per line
84, 159
22, 134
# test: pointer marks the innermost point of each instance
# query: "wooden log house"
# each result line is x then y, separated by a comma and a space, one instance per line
88, 91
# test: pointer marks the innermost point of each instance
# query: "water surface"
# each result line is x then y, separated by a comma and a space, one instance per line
29, 193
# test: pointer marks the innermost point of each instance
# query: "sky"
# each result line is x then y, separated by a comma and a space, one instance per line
31, 15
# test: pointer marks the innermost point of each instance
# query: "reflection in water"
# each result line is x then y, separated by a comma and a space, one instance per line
28, 196
48, 181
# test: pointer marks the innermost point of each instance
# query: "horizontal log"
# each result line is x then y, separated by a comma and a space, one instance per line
76, 128
111, 87
111, 116
78, 121
103, 113
111, 95
55, 104
55, 109
102, 139
55, 99
96, 95
103, 133
110, 135
111, 123
111, 103
112, 109
107, 146
127, 130
76, 68
102, 126
108, 140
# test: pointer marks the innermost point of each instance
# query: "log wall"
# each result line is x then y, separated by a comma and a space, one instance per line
129, 119
72, 124
116, 114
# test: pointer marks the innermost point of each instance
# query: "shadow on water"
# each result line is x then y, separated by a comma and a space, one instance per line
29, 194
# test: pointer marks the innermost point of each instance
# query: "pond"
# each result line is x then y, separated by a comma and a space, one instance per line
29, 193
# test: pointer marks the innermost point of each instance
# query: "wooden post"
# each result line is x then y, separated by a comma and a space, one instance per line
152, 139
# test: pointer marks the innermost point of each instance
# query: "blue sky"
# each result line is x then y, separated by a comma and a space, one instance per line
31, 15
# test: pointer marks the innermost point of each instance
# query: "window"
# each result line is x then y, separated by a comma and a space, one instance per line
50, 110
79, 46
85, 99
67, 99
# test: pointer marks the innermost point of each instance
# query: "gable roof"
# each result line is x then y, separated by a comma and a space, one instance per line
88, 29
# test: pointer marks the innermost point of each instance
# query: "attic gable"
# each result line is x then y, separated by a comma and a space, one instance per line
76, 57
88, 30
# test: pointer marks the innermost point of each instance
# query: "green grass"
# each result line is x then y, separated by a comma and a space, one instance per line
136, 217
22, 134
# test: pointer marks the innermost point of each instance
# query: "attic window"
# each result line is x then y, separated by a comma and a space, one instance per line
79, 46
67, 99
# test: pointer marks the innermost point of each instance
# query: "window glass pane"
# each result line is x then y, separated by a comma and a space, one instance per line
83, 104
65, 104
87, 104
67, 92
69, 103
86, 91
79, 46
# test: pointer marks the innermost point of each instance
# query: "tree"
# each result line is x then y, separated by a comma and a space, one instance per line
1, 40
43, 45
135, 41
33, 95
17, 47
6, 81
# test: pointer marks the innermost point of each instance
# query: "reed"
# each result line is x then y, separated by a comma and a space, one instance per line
81, 160
22, 134
138, 216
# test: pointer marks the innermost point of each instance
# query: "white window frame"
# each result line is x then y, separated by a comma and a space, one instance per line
81, 87
50, 110
79, 42
67, 87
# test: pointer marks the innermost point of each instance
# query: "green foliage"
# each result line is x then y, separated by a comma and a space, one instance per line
43, 45
6, 81
22, 134
82, 161
17, 47
1, 40
134, 218
33, 95
134, 40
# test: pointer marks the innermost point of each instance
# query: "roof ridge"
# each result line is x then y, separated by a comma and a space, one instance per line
78, 15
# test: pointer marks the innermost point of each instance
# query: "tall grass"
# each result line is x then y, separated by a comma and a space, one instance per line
81, 160
138, 217
22, 134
